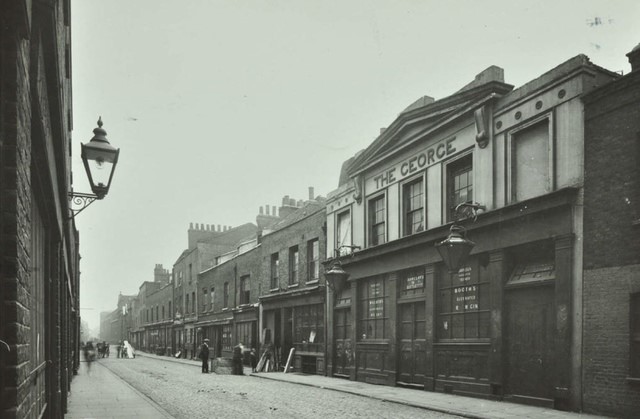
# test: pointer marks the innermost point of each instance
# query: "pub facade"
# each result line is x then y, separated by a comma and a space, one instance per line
507, 324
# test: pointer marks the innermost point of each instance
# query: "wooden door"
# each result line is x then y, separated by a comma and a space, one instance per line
343, 353
529, 342
412, 343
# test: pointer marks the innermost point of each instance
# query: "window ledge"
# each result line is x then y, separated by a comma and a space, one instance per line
296, 285
313, 282
274, 290
633, 380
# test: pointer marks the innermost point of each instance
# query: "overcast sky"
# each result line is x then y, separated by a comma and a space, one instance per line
220, 107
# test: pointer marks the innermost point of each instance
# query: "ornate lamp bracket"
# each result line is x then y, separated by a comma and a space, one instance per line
80, 201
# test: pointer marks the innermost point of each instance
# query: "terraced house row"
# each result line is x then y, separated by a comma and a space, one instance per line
543, 178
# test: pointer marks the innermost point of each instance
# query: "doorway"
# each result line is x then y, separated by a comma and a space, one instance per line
412, 343
529, 340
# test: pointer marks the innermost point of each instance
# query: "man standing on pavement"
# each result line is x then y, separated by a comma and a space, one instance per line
204, 356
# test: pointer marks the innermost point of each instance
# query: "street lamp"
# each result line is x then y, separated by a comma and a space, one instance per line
336, 276
455, 249
100, 159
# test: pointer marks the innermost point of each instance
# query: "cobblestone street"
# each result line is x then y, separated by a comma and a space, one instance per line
184, 392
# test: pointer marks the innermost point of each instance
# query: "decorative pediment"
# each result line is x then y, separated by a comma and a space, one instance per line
417, 122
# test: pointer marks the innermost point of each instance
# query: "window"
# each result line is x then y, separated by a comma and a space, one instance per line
293, 265
193, 302
412, 282
343, 232
463, 304
530, 157
225, 291
313, 259
308, 327
374, 323
245, 290
170, 312
205, 294
227, 338
180, 278
213, 293
634, 323
413, 205
157, 312
186, 305
163, 313
377, 218
190, 273
275, 266
459, 183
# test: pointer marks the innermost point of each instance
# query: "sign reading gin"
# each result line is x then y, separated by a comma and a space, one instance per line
407, 167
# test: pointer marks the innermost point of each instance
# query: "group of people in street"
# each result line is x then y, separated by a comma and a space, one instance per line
237, 359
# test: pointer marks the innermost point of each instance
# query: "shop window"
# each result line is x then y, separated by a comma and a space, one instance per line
377, 220
412, 282
634, 322
413, 206
343, 232
530, 159
531, 273
463, 305
374, 323
275, 268
342, 324
313, 260
227, 338
308, 328
225, 291
245, 290
244, 334
293, 265
459, 183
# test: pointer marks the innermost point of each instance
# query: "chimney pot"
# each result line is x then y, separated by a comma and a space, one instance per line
261, 210
311, 194
190, 226
267, 208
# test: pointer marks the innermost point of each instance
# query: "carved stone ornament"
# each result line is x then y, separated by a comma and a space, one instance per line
357, 186
482, 127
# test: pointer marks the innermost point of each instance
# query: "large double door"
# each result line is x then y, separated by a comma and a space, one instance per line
412, 343
529, 343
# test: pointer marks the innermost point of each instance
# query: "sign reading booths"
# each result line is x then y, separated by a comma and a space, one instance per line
407, 167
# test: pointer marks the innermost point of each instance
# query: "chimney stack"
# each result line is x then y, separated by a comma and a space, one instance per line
634, 58
311, 194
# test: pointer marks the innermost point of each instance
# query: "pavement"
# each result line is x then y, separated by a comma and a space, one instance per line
96, 392
468, 407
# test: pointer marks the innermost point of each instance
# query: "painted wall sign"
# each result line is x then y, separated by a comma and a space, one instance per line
415, 281
465, 296
421, 160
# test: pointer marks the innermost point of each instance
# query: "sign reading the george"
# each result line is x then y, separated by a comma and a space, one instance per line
411, 165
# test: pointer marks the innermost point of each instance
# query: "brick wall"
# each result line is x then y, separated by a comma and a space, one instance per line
606, 341
612, 244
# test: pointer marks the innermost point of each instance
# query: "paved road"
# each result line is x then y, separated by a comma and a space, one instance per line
184, 392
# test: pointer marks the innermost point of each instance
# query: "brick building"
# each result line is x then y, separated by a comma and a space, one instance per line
206, 243
292, 294
228, 312
39, 300
611, 366
508, 324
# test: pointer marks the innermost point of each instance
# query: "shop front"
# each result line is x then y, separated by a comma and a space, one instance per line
293, 326
499, 327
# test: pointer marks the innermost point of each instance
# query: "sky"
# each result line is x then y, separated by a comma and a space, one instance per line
220, 107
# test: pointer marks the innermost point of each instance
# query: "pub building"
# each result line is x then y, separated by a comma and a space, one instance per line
506, 324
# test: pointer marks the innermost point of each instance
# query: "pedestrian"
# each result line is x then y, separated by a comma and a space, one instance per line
204, 356
119, 348
89, 355
237, 359
254, 360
